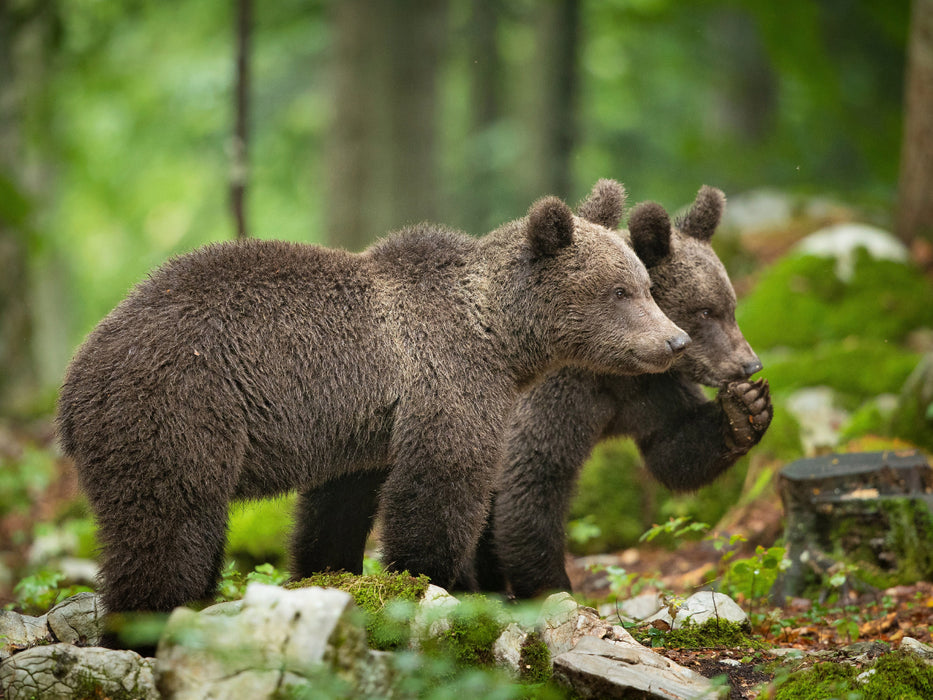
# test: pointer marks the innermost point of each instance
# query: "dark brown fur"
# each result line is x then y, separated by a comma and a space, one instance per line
686, 440
249, 369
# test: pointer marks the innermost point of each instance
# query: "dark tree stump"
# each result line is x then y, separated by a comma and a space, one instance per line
873, 510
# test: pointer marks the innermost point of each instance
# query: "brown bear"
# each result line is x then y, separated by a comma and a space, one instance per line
248, 369
682, 435
685, 439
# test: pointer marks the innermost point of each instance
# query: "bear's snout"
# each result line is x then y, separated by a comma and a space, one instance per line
679, 344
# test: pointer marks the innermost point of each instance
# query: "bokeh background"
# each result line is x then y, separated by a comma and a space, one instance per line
118, 148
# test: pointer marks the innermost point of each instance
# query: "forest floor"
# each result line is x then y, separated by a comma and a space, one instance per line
846, 631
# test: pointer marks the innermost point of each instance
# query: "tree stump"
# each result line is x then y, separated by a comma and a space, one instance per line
870, 510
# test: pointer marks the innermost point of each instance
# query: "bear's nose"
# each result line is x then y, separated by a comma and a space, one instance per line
751, 367
679, 343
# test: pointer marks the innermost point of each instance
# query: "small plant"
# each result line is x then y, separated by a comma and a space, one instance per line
35, 594
624, 584
233, 584
753, 577
677, 528
582, 530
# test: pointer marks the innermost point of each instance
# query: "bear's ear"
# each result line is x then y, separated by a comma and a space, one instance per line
550, 226
605, 204
704, 215
650, 228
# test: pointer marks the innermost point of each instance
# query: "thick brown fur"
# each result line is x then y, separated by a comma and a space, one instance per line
686, 440
249, 369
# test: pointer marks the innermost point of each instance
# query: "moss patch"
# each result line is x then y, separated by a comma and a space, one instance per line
386, 599
895, 676
903, 555
712, 634
800, 302
535, 660
475, 625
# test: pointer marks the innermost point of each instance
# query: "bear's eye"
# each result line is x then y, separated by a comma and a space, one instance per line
622, 293
705, 314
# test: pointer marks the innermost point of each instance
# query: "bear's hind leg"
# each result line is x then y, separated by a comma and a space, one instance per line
332, 522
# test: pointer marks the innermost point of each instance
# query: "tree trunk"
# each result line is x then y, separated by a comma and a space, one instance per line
486, 101
383, 170
416, 32
915, 206
18, 375
350, 157
239, 168
558, 44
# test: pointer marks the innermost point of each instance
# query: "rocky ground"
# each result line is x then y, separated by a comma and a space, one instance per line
818, 633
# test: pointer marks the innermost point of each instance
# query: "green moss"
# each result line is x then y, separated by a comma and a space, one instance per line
818, 682
903, 555
843, 366
800, 302
475, 625
620, 500
896, 676
535, 660
712, 634
386, 599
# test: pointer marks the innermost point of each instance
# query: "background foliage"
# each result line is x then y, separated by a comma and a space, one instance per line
115, 123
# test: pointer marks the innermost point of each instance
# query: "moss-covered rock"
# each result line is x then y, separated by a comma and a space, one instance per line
801, 301
386, 599
894, 676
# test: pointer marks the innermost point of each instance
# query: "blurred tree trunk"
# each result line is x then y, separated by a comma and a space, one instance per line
239, 167
747, 100
25, 38
416, 34
486, 100
915, 206
383, 170
350, 146
555, 116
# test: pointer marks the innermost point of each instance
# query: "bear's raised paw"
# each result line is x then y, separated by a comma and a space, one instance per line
748, 412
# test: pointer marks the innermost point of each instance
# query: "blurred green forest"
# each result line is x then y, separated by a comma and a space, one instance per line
117, 121
117, 151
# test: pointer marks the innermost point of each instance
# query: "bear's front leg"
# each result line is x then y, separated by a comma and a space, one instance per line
747, 411
435, 500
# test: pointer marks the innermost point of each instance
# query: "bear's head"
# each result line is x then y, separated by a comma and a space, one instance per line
593, 292
690, 283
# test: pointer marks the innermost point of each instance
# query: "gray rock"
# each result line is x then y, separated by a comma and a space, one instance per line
78, 620
598, 668
701, 607
507, 651
841, 241
19, 632
431, 618
634, 609
563, 623
915, 646
64, 671
280, 638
